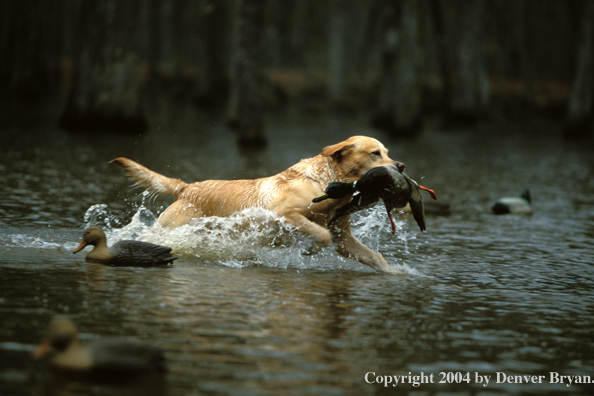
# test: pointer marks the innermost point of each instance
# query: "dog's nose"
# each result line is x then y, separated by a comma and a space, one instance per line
400, 166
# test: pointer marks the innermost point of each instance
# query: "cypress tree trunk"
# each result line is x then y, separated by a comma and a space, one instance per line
465, 80
245, 105
214, 53
406, 93
23, 65
337, 77
580, 121
400, 91
105, 94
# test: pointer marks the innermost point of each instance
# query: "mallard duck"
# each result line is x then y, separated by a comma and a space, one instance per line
515, 205
108, 356
388, 183
123, 253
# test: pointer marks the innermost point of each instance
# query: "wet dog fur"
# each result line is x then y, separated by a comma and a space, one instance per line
289, 194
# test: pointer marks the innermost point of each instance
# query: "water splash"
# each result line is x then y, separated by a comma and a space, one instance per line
28, 241
251, 237
98, 215
257, 236
369, 224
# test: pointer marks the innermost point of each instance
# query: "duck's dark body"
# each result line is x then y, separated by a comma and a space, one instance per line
136, 253
385, 183
388, 183
124, 253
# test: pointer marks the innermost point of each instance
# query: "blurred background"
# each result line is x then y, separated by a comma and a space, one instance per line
402, 65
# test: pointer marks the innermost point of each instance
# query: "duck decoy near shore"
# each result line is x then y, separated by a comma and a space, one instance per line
388, 183
123, 253
514, 205
106, 357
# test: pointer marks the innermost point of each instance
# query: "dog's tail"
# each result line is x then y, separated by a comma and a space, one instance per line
153, 181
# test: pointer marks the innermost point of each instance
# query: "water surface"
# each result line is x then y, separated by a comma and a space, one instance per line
481, 293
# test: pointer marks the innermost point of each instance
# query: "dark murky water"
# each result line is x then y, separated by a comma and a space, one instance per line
483, 294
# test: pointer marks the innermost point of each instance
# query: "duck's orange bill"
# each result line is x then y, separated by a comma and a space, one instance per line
431, 192
41, 349
80, 247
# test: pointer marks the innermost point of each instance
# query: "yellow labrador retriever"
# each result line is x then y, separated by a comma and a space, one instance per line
288, 193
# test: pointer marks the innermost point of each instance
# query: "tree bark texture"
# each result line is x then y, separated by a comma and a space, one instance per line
337, 73
247, 74
465, 81
581, 103
24, 49
106, 91
400, 90
216, 42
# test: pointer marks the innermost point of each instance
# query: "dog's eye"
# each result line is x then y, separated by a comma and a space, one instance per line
377, 152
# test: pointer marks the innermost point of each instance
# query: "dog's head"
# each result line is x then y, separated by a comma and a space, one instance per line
356, 156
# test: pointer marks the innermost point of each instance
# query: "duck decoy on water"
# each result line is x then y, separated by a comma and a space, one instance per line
515, 205
123, 253
388, 183
106, 356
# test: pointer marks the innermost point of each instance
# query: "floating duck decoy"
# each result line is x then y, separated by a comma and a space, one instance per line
388, 183
515, 205
107, 356
123, 253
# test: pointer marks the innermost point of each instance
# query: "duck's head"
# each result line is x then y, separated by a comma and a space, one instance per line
91, 236
336, 190
61, 333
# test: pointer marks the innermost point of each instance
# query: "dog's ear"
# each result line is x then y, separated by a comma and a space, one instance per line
337, 151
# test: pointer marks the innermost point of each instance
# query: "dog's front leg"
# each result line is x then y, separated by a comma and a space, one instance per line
349, 246
308, 227
295, 206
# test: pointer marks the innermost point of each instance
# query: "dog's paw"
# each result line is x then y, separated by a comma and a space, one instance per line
324, 239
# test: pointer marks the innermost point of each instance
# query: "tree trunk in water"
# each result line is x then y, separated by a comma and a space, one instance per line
580, 121
465, 80
336, 80
106, 93
213, 78
23, 69
245, 105
400, 92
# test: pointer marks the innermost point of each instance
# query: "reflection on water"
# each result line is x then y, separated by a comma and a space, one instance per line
483, 293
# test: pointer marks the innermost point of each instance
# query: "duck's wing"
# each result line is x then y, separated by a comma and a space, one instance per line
396, 193
138, 253
416, 202
359, 202
417, 209
374, 181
